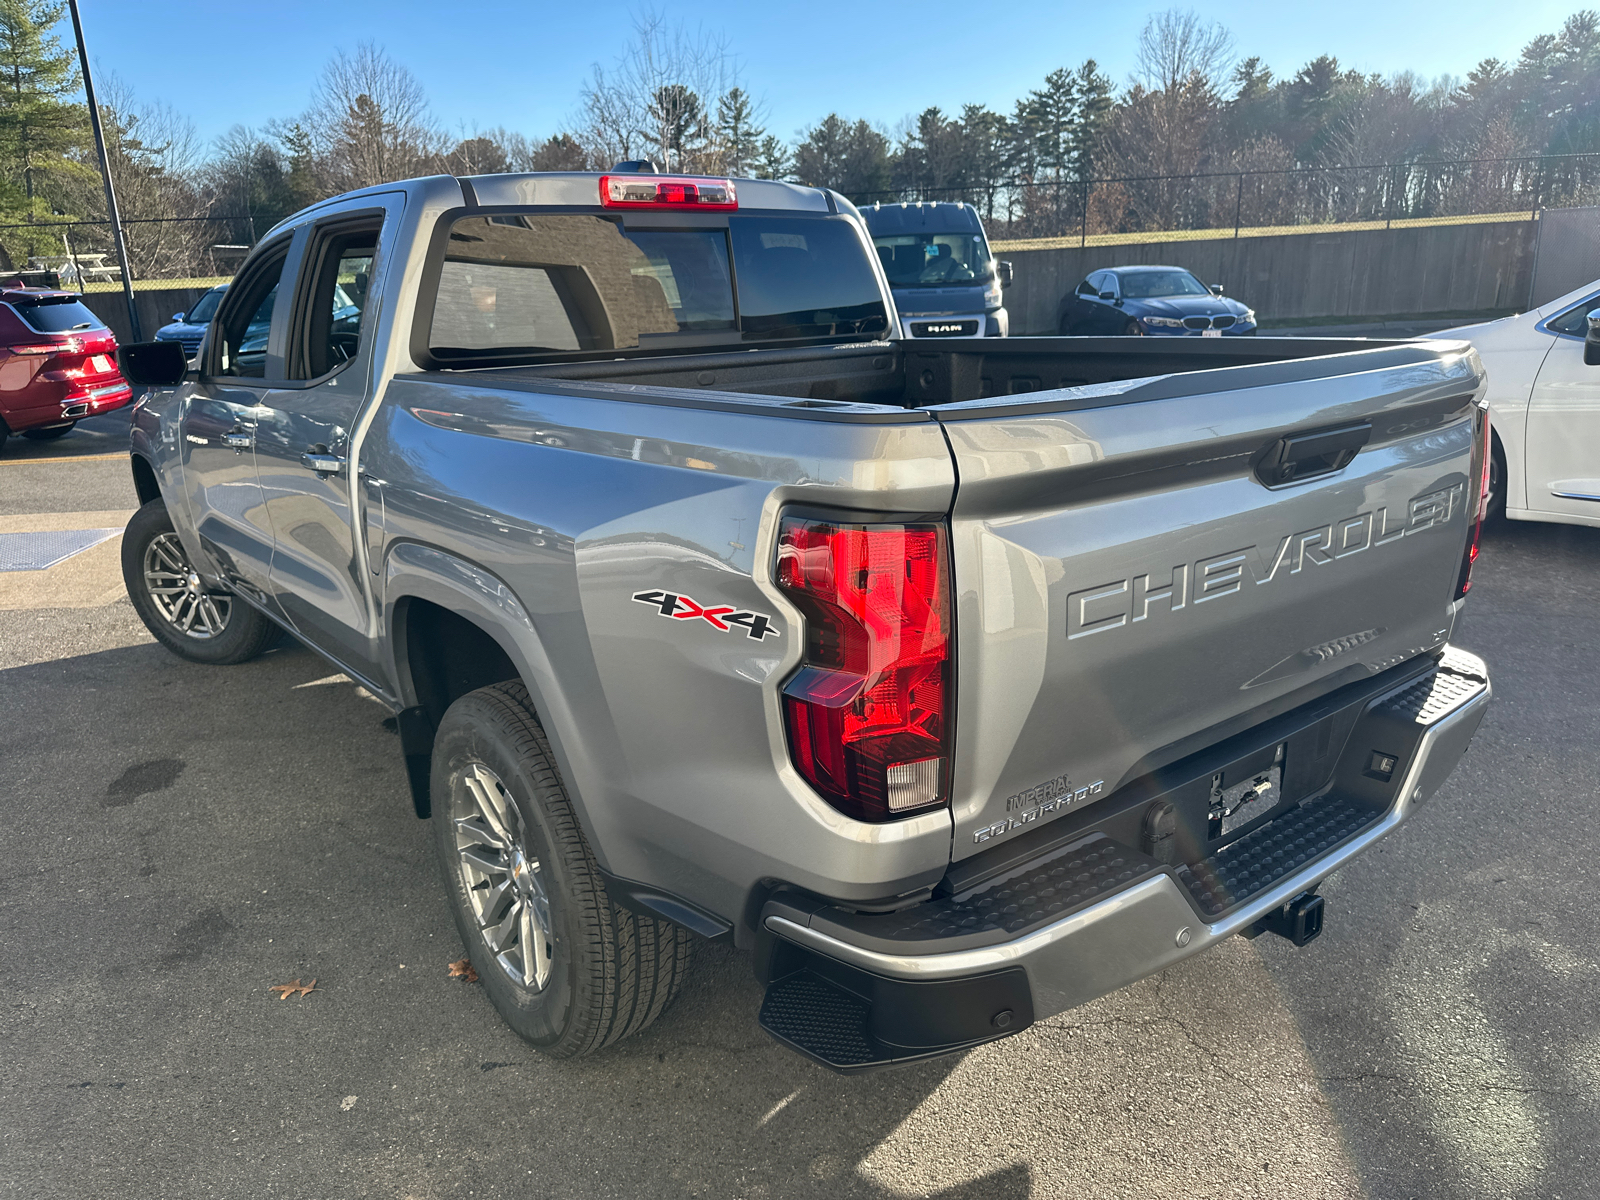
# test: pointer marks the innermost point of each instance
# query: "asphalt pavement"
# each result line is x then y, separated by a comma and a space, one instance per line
178, 839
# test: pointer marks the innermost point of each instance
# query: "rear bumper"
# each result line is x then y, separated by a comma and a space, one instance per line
69, 405
1164, 915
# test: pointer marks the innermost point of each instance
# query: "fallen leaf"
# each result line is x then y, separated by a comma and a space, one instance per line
293, 988
462, 969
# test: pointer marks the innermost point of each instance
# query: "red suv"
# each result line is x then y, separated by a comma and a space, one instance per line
57, 363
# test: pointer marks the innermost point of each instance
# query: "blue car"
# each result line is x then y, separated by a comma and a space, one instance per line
1153, 302
190, 327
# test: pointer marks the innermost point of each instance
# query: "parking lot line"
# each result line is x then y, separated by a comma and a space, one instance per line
56, 462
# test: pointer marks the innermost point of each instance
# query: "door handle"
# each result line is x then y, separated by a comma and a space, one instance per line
323, 464
1308, 455
238, 439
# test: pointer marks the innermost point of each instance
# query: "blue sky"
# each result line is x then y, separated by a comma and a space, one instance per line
521, 65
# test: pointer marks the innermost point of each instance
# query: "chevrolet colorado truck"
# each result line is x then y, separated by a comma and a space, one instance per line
958, 684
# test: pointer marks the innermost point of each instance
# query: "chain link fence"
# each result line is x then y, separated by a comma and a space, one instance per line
1020, 214
163, 252
1043, 214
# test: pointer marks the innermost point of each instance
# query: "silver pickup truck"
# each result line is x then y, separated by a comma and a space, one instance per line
960, 685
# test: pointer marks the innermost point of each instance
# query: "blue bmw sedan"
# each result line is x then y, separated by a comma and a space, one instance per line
1152, 301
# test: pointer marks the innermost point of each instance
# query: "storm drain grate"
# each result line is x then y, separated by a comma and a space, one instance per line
36, 551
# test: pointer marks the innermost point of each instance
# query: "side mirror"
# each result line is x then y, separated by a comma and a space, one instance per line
1216, 289
1004, 269
1108, 295
153, 364
1591, 343
178, 316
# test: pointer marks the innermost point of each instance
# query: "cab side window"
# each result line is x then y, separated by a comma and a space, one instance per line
341, 261
242, 350
1576, 319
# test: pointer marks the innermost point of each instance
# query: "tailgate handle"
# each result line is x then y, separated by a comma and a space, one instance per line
1308, 455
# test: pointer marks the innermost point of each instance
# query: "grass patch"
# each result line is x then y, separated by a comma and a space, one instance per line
1250, 231
158, 285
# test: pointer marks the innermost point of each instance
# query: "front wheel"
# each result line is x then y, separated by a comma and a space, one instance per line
1132, 329
192, 620
567, 969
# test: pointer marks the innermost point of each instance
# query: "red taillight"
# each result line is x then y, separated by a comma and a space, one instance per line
69, 345
666, 191
1482, 450
868, 711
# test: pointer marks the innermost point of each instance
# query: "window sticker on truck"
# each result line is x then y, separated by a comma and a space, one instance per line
722, 616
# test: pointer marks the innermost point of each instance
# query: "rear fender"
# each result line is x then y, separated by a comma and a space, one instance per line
414, 571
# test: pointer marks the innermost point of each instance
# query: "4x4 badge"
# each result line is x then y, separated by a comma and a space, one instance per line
721, 616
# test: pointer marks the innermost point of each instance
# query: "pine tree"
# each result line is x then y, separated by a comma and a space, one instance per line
39, 121
772, 160
738, 132
1051, 114
302, 181
1092, 119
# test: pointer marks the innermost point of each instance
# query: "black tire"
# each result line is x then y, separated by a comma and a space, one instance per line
1131, 329
238, 632
49, 433
611, 972
5, 432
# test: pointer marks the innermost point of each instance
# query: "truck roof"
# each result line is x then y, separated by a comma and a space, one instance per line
578, 189
583, 188
922, 216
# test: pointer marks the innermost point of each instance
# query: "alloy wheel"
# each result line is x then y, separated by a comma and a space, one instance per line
504, 882
178, 592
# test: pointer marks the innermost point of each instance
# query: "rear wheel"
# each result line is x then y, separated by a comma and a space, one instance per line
194, 621
49, 433
5, 432
568, 970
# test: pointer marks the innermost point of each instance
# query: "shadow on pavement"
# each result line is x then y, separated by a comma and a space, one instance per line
181, 838
106, 434
1461, 1055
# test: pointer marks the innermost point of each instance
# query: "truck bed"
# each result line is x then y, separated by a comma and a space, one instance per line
1112, 539
918, 377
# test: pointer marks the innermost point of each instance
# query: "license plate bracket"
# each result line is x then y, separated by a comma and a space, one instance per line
1239, 797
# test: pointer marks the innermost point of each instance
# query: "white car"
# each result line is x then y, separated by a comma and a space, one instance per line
1545, 408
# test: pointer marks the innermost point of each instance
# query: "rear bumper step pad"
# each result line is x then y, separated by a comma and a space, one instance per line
857, 990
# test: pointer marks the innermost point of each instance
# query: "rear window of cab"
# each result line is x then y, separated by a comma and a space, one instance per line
512, 286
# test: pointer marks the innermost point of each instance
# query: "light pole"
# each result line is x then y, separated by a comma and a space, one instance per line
105, 171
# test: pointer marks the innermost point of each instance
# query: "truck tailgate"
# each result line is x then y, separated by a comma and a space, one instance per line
1127, 584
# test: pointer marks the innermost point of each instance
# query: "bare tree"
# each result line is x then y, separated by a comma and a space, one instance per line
155, 159
657, 98
1177, 49
1167, 125
369, 121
